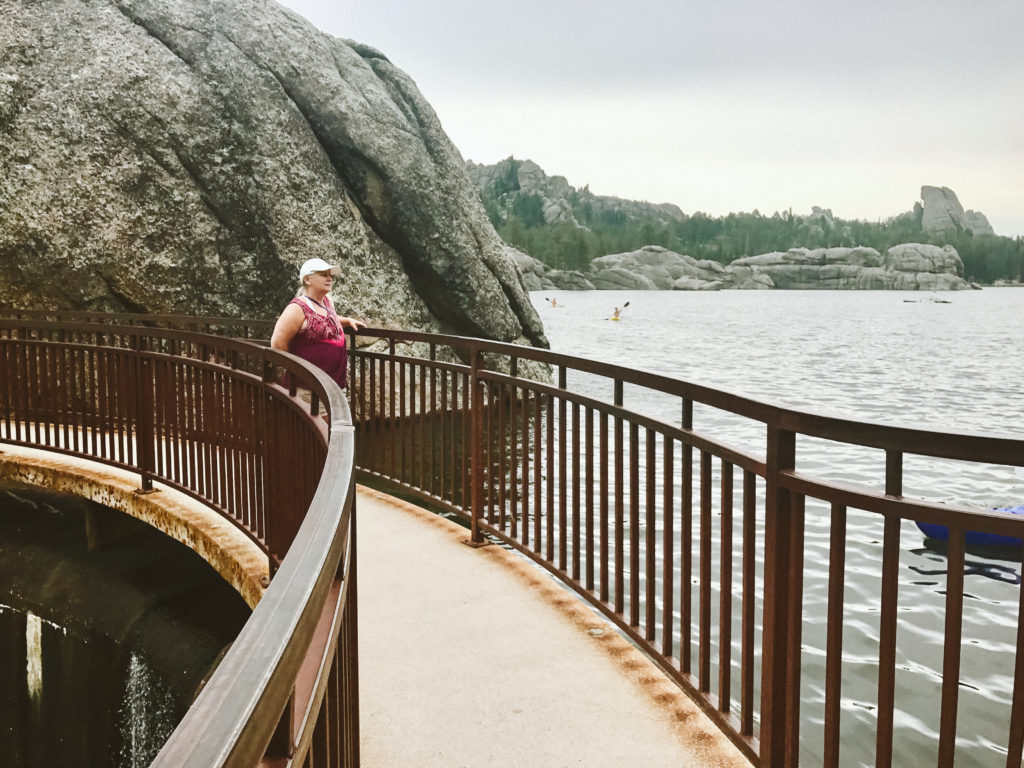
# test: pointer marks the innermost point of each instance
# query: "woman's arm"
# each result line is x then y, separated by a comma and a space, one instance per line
287, 325
351, 322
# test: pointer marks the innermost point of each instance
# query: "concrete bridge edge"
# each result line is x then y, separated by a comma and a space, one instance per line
234, 556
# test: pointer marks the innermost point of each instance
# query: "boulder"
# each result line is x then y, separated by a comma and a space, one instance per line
533, 271
570, 280
187, 155
693, 284
832, 276
921, 257
875, 279
619, 278
659, 267
793, 257
858, 268
859, 256
750, 278
909, 266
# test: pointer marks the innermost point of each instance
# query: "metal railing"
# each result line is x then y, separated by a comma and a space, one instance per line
695, 549
204, 415
626, 509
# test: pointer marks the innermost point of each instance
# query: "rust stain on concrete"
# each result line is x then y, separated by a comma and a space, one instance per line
692, 727
231, 553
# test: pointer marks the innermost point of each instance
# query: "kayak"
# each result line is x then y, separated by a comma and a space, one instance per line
976, 538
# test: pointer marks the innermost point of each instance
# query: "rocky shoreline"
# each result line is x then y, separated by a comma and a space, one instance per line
908, 267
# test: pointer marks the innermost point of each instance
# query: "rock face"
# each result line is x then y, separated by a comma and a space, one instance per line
511, 179
188, 155
911, 266
942, 213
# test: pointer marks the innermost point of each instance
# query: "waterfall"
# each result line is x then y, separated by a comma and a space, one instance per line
34, 656
146, 716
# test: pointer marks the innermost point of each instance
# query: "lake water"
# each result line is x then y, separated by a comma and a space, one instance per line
886, 356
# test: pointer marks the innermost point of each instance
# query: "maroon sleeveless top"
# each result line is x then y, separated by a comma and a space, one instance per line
322, 341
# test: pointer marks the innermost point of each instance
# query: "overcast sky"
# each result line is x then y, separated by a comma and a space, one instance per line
725, 105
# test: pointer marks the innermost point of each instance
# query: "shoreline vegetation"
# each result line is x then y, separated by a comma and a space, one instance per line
566, 228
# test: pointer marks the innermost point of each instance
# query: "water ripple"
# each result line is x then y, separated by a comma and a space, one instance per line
866, 355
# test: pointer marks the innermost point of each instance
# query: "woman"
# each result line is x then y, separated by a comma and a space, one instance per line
310, 328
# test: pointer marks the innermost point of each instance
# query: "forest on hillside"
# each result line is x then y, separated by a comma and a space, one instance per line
519, 219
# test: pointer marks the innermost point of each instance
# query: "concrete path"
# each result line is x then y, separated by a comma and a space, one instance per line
474, 658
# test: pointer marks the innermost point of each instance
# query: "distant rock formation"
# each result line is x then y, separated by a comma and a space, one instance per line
657, 268
188, 155
941, 213
911, 266
511, 179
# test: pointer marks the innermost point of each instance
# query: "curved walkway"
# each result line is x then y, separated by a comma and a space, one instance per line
475, 658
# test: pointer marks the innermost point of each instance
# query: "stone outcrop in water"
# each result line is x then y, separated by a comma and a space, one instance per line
188, 155
910, 266
656, 268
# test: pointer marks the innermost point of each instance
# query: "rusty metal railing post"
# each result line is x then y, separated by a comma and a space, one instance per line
776, 709
476, 461
146, 408
269, 466
888, 616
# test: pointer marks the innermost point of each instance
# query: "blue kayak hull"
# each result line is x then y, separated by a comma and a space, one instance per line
976, 538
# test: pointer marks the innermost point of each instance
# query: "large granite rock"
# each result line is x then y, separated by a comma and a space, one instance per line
746, 278
535, 275
613, 278
571, 280
911, 266
926, 267
654, 268
942, 213
188, 155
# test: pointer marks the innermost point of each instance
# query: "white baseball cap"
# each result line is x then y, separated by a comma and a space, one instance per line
317, 265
